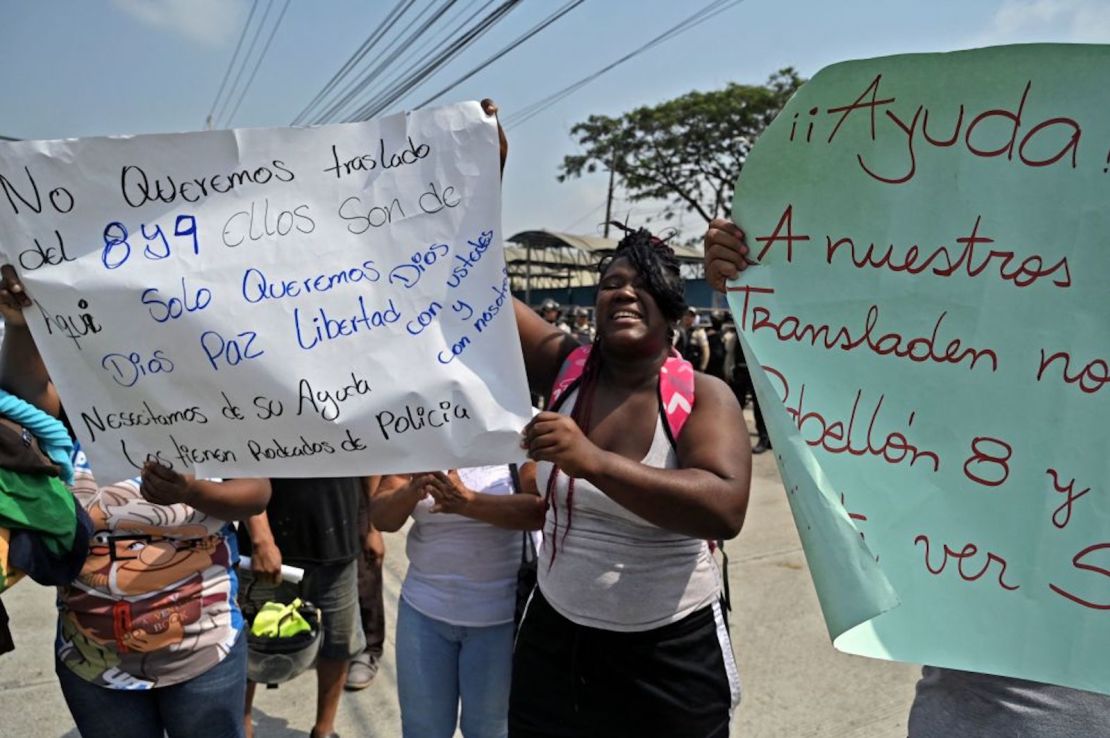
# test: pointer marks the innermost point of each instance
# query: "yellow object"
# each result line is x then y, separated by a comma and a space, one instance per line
8, 575
275, 620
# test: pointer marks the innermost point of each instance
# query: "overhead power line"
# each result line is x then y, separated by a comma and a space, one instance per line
521, 39
419, 55
416, 52
230, 64
431, 65
578, 220
257, 64
388, 57
709, 11
375, 36
243, 63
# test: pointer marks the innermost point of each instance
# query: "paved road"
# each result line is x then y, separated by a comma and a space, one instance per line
795, 684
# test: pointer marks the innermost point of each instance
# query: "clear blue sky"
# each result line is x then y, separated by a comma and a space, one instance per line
96, 67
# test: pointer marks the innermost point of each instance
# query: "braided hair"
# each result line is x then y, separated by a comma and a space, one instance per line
655, 262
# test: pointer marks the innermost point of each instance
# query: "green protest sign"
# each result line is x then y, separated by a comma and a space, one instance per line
933, 233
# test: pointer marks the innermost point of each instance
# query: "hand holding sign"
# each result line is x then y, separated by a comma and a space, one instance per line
726, 253
163, 486
13, 297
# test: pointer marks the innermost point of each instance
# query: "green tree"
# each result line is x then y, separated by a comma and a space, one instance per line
687, 151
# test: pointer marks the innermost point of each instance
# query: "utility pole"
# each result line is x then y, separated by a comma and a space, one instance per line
609, 197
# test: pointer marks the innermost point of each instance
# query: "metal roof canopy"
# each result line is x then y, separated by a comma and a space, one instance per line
565, 259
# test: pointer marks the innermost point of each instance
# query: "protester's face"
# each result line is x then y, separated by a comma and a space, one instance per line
551, 315
626, 314
687, 320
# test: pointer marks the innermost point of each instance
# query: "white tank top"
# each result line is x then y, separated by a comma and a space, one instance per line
613, 569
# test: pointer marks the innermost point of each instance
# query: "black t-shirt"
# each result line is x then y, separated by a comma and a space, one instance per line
6, 643
314, 521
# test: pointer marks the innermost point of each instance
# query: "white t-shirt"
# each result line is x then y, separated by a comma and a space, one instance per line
463, 571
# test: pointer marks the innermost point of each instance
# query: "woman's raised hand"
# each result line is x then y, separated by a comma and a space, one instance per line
13, 297
726, 253
489, 107
558, 439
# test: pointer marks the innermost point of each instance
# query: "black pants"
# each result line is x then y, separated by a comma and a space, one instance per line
6, 643
741, 384
573, 681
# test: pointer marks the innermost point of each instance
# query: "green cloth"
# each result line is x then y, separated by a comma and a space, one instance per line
275, 620
39, 503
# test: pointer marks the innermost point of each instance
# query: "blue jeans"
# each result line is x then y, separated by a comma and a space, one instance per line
439, 665
209, 705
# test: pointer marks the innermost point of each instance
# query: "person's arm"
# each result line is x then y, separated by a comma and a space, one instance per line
702, 341
726, 253
265, 555
528, 483
369, 488
373, 543
395, 498
544, 345
231, 499
706, 498
489, 107
22, 371
732, 345
523, 511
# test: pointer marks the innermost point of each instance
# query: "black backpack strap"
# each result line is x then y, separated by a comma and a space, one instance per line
571, 388
528, 546
665, 420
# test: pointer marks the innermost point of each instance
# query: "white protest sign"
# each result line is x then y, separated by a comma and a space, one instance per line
277, 302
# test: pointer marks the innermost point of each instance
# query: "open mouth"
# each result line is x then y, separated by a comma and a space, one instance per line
625, 315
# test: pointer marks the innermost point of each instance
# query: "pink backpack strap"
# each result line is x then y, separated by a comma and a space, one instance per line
569, 374
676, 393
676, 387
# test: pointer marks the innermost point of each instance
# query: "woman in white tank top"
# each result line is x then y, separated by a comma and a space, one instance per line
624, 636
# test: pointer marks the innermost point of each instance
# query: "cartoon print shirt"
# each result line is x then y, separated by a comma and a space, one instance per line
155, 604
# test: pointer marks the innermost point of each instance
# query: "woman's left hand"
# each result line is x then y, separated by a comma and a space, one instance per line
558, 439
449, 493
13, 297
489, 107
726, 253
163, 486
